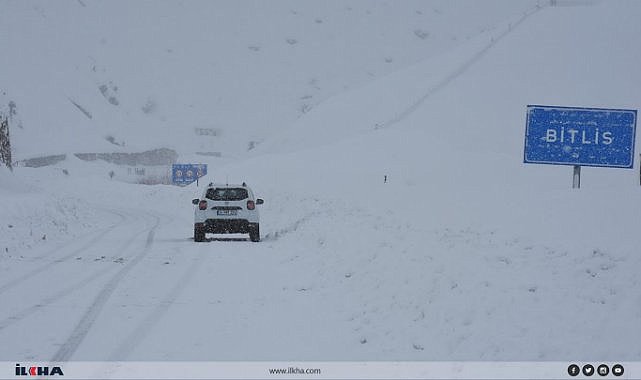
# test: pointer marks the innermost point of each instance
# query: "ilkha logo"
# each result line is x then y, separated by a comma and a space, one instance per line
38, 371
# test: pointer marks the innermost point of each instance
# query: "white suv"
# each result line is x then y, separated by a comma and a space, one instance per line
226, 209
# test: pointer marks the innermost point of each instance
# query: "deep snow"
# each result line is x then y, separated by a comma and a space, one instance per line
464, 254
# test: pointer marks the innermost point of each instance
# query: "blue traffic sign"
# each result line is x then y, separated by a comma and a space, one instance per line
580, 136
184, 174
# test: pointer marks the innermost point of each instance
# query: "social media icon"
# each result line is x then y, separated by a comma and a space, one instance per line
574, 370
603, 370
588, 370
617, 370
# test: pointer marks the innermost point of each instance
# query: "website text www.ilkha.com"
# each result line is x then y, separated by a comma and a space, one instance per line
294, 371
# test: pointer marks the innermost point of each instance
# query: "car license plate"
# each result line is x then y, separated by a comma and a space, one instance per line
226, 212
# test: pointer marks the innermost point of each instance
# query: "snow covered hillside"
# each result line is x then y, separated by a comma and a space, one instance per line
462, 253
206, 76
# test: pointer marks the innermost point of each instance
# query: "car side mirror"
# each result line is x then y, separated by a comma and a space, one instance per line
259, 201
195, 201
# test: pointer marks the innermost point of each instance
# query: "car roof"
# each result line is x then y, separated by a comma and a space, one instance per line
227, 185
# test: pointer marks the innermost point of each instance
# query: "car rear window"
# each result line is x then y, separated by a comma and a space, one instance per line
227, 194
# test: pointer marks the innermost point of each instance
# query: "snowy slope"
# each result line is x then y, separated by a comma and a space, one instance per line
464, 254
149, 74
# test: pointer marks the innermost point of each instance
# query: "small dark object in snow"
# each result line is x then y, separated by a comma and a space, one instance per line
65, 172
44, 237
166, 263
348, 275
10, 226
78, 258
421, 34
363, 340
418, 347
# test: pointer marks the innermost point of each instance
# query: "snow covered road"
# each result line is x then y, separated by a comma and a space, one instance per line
330, 280
80, 275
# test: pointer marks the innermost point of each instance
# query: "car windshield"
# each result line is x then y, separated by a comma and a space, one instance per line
227, 194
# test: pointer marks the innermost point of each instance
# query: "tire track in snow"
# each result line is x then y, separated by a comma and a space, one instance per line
458, 72
124, 350
86, 322
75, 252
102, 231
51, 299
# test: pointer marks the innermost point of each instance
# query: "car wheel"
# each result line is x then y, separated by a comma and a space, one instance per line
254, 232
199, 234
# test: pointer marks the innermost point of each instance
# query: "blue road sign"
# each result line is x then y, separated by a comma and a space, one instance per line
184, 174
580, 136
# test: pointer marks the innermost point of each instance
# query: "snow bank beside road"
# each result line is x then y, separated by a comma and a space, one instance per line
33, 215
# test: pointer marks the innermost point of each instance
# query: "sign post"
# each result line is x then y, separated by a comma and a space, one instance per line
576, 178
184, 174
580, 137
